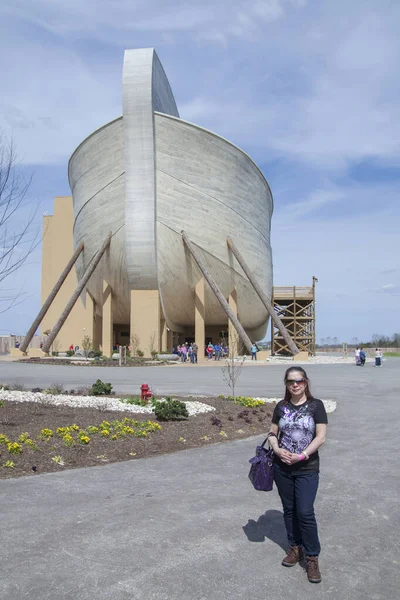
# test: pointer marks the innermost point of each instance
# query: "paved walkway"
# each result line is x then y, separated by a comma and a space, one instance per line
188, 526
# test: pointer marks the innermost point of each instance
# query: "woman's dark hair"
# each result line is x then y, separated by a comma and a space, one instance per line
288, 395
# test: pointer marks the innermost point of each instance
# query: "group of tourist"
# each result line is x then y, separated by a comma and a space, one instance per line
360, 356
187, 352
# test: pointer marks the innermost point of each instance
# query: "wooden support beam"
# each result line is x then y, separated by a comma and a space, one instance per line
50, 298
70, 305
219, 295
264, 299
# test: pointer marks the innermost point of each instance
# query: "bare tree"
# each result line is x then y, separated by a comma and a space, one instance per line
87, 345
152, 344
233, 364
135, 343
17, 241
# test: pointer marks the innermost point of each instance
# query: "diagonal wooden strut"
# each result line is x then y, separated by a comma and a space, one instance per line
219, 295
277, 321
50, 298
70, 305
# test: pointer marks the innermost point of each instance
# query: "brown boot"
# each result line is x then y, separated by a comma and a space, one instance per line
313, 572
293, 556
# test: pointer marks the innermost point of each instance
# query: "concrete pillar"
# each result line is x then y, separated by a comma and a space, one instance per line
107, 333
170, 342
199, 317
233, 336
145, 319
90, 329
164, 336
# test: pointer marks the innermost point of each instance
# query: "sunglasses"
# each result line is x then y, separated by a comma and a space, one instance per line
293, 381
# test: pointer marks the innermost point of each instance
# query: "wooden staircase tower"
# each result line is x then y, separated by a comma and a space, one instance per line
296, 308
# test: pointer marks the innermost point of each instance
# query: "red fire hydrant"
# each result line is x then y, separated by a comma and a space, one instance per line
145, 391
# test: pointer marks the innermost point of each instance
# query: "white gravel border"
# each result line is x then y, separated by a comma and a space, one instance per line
193, 406
99, 402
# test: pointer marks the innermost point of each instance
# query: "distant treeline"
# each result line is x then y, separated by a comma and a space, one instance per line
378, 341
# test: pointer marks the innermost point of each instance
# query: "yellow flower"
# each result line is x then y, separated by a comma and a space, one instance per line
46, 433
14, 448
105, 433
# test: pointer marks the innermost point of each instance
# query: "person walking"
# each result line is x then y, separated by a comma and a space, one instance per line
298, 429
363, 357
378, 357
357, 356
183, 352
217, 349
254, 351
195, 350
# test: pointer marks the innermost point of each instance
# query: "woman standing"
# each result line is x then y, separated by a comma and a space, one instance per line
299, 429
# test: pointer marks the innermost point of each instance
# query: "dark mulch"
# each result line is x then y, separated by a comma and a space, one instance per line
232, 420
104, 362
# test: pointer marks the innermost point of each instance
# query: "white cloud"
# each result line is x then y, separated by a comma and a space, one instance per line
391, 289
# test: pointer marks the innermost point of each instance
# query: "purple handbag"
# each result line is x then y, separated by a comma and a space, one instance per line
262, 468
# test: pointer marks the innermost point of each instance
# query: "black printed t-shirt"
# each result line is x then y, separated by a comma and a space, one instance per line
297, 429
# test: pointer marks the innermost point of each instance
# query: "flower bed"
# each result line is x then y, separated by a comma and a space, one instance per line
40, 437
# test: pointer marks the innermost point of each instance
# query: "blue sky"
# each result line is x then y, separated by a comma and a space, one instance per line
308, 88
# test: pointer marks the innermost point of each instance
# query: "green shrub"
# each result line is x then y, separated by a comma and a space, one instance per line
101, 389
135, 400
54, 353
140, 353
55, 389
70, 353
170, 410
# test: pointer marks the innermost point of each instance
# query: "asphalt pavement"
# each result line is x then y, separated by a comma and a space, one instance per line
189, 526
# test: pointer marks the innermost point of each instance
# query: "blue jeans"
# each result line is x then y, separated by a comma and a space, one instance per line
297, 491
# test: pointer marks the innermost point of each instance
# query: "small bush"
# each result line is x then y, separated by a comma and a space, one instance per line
135, 400
17, 386
84, 391
4, 386
154, 353
215, 421
100, 388
70, 353
170, 410
55, 389
140, 353
54, 353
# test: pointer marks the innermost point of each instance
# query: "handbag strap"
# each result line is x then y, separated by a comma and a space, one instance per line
271, 434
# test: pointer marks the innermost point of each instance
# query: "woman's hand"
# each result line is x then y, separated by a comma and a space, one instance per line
284, 455
294, 458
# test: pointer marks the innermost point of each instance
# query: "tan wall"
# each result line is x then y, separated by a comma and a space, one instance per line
56, 252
